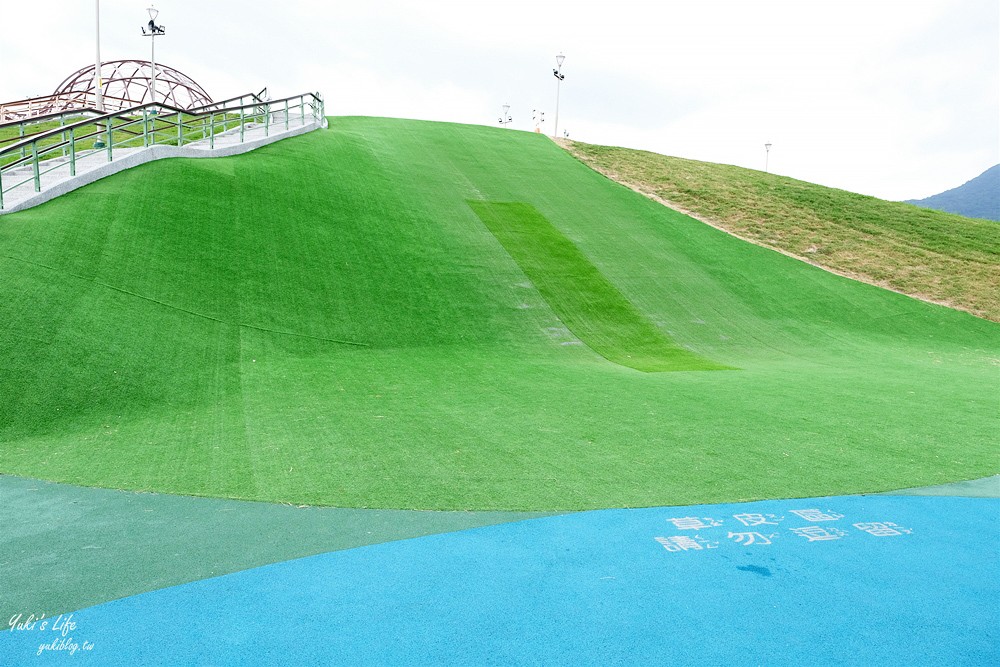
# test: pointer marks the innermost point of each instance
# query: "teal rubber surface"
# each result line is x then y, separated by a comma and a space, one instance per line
869, 580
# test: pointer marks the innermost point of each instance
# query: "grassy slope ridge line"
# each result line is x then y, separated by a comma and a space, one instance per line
140, 345
934, 256
587, 303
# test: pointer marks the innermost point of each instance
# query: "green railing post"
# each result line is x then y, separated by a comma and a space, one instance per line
180, 130
109, 139
286, 115
34, 166
211, 136
302, 108
145, 129
267, 120
242, 112
62, 135
72, 153
20, 135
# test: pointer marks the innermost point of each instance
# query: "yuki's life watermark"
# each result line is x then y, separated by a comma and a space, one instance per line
53, 634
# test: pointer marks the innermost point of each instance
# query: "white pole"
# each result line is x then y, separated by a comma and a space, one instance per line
98, 82
152, 66
555, 132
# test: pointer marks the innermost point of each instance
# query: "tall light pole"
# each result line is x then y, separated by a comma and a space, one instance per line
767, 157
98, 83
153, 31
559, 79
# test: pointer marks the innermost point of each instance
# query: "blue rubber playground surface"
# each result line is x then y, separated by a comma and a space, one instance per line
856, 580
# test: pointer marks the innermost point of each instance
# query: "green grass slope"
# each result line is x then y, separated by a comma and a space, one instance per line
384, 315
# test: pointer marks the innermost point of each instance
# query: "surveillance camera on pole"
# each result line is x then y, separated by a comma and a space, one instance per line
152, 30
505, 119
537, 117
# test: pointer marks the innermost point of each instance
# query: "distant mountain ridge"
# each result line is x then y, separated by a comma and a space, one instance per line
979, 198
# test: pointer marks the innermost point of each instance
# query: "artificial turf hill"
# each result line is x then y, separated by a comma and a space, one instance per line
404, 314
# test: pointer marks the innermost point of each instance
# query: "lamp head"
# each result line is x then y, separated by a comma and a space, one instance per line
153, 12
559, 60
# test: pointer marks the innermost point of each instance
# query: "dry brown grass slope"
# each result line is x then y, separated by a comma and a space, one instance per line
938, 257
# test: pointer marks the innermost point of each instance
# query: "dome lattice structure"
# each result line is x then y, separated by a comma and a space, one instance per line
127, 83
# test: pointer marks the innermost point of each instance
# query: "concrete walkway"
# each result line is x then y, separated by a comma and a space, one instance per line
92, 165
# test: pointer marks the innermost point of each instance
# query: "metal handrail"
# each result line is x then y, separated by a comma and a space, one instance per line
145, 126
23, 123
253, 97
55, 115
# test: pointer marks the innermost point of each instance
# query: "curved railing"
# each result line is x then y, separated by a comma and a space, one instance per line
23, 128
31, 158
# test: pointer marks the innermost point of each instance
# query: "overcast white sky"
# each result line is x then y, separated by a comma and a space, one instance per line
893, 98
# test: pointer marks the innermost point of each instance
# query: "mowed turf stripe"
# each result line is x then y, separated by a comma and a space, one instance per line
583, 298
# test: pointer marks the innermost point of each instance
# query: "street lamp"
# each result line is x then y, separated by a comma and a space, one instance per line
767, 156
557, 72
505, 119
153, 31
98, 83
537, 117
